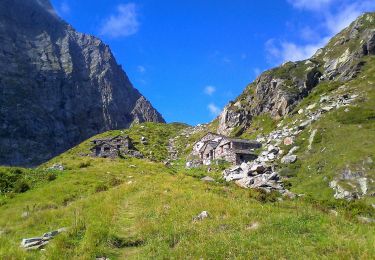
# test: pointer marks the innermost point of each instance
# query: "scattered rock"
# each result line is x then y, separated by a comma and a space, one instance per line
201, 216
208, 179
271, 156
258, 168
366, 220
144, 140
293, 150
273, 149
253, 226
324, 99
25, 214
327, 108
167, 163
132, 166
333, 212
312, 106
304, 124
235, 173
39, 242
369, 160
311, 139
288, 159
57, 167
341, 193
300, 111
288, 141
193, 164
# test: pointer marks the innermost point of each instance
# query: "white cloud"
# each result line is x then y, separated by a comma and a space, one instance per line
214, 110
141, 69
257, 72
334, 18
123, 23
279, 52
310, 4
227, 60
64, 8
209, 90
335, 22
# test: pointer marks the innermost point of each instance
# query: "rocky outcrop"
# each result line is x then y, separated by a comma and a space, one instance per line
277, 91
36, 243
57, 86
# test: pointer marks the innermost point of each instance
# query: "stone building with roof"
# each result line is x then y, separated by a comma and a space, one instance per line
219, 147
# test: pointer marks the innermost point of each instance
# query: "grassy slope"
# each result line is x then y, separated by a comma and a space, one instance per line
343, 139
118, 210
151, 217
157, 136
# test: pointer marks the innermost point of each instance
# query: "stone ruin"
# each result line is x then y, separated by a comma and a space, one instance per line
114, 147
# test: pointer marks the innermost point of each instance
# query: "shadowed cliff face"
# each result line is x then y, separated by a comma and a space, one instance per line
57, 86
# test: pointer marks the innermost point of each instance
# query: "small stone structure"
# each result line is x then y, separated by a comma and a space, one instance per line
219, 147
114, 147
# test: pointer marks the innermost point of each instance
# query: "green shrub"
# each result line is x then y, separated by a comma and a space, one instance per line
51, 176
21, 186
84, 164
115, 181
264, 196
101, 187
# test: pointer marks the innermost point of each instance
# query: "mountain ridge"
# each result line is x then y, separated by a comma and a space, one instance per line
278, 90
59, 86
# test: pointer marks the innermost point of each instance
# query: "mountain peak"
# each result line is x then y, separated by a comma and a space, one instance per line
59, 87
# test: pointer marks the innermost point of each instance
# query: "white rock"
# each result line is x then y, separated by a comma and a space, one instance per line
208, 179
271, 156
289, 159
324, 99
327, 108
293, 150
311, 139
312, 106
245, 167
201, 216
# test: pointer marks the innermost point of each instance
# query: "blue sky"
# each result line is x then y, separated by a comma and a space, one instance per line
190, 58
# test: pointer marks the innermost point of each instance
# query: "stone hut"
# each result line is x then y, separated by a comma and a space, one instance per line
114, 146
219, 147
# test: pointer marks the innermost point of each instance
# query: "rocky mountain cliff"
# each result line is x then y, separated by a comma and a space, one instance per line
57, 86
277, 91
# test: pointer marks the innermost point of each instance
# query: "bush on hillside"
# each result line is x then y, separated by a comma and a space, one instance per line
21, 186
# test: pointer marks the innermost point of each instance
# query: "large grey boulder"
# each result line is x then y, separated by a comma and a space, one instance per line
58, 86
288, 159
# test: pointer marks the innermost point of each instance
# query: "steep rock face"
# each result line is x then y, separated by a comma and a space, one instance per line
57, 86
277, 91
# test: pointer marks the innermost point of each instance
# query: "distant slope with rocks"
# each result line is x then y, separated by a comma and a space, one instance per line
57, 86
277, 91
